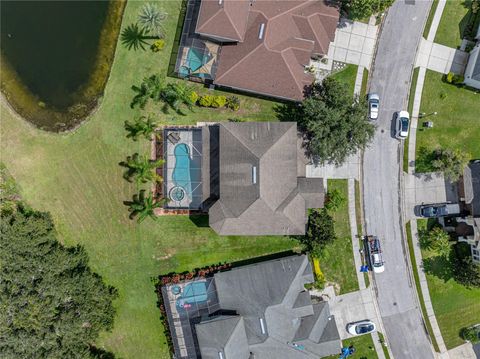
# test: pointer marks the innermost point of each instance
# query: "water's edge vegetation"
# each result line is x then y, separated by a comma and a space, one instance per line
30, 107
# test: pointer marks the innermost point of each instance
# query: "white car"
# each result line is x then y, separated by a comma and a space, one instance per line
373, 104
362, 327
402, 124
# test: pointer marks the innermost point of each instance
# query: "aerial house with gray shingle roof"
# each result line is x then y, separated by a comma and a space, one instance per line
259, 311
248, 176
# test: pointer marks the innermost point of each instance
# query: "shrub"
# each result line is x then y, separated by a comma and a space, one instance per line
443, 95
335, 199
454, 79
219, 101
194, 97
450, 77
471, 334
233, 103
205, 100
450, 162
320, 231
158, 45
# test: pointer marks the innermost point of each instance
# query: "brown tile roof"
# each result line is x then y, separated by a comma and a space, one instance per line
274, 64
224, 19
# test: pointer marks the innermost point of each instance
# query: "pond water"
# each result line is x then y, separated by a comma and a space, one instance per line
52, 48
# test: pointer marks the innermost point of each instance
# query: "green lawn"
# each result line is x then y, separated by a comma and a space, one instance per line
336, 260
454, 24
455, 306
457, 124
77, 178
347, 76
363, 345
411, 97
431, 14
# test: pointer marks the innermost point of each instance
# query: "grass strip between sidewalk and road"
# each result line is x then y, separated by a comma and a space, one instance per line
419, 289
428, 24
358, 215
384, 346
411, 98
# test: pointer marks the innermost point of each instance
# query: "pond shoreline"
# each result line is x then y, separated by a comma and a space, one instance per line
30, 107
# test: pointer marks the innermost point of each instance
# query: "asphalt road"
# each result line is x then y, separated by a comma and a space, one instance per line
382, 164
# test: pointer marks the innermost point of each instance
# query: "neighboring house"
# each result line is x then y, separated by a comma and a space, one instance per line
468, 228
259, 46
259, 311
249, 176
472, 71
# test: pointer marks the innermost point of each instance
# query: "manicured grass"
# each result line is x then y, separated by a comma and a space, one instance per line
454, 305
347, 76
77, 178
419, 288
336, 260
363, 90
457, 124
455, 20
411, 97
363, 345
431, 14
381, 337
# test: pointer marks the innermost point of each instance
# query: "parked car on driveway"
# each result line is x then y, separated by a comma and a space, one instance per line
439, 210
402, 123
362, 327
373, 104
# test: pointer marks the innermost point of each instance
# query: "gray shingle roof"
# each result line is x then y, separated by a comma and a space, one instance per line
275, 201
471, 182
271, 291
223, 334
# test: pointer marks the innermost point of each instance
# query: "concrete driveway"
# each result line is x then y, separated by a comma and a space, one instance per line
349, 169
352, 307
426, 188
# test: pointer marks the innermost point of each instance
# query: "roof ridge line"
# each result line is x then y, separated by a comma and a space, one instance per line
211, 18
299, 86
239, 62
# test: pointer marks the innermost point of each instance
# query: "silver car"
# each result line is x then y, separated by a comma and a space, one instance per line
402, 124
362, 327
373, 105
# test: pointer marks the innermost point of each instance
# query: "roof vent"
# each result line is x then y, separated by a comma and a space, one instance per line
220, 354
254, 174
262, 29
220, 2
262, 326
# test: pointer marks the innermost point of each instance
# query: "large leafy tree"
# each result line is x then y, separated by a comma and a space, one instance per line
335, 124
51, 304
141, 126
142, 206
151, 19
361, 9
150, 88
436, 240
141, 169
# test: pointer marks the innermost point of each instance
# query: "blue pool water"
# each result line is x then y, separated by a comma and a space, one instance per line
181, 171
195, 292
194, 61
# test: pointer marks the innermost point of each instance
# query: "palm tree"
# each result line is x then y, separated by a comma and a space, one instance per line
134, 37
143, 207
150, 88
151, 18
141, 169
176, 95
143, 125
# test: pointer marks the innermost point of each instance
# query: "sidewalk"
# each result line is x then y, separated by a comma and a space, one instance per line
424, 62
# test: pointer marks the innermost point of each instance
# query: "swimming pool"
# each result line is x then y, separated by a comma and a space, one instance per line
181, 171
195, 292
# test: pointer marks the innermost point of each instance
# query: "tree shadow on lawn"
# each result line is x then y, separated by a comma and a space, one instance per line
438, 266
469, 23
